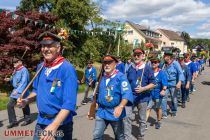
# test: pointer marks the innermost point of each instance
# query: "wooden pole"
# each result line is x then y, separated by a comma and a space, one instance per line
25, 90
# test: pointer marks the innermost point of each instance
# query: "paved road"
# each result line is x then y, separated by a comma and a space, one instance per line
191, 123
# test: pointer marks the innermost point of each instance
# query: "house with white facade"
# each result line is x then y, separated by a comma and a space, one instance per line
137, 35
172, 39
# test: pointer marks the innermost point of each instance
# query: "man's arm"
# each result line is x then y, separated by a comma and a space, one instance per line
118, 110
22, 102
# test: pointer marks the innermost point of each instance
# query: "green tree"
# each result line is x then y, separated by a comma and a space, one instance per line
186, 38
73, 15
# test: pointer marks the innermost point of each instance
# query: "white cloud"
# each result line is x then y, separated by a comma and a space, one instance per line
205, 26
169, 14
202, 35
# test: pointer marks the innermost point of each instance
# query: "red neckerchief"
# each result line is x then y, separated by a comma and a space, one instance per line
18, 68
139, 65
158, 69
110, 75
187, 61
57, 61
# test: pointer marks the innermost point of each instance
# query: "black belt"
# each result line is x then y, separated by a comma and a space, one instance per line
106, 107
171, 80
47, 116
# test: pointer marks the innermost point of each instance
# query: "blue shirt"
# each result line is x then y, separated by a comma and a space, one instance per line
197, 65
20, 80
174, 73
51, 99
161, 81
121, 67
187, 74
192, 67
127, 66
92, 74
148, 78
201, 61
118, 88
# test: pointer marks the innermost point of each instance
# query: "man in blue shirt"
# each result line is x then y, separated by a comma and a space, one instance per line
193, 69
114, 93
55, 90
175, 77
141, 77
186, 83
158, 92
89, 79
120, 65
128, 64
20, 79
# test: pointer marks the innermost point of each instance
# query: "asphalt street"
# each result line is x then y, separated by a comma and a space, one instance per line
191, 123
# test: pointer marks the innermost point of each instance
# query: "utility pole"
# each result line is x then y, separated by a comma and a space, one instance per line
118, 47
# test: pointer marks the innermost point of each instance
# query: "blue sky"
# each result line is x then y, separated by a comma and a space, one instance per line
192, 16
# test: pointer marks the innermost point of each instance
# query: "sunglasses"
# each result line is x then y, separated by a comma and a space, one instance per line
108, 62
154, 62
137, 55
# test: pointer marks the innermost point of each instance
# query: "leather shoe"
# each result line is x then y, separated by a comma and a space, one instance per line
26, 123
12, 125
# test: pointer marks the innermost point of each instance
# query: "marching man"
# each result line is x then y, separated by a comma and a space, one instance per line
20, 80
55, 89
114, 93
141, 77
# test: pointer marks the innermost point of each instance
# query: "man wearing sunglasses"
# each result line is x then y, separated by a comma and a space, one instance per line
20, 79
114, 93
158, 92
141, 77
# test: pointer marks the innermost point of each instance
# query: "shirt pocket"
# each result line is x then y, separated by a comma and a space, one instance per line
17, 80
58, 93
56, 89
172, 74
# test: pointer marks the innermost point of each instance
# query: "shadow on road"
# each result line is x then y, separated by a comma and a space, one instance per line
107, 137
151, 121
1, 124
33, 118
206, 83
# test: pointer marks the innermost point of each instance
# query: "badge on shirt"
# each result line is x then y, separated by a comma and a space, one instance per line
59, 83
138, 81
124, 84
53, 87
109, 96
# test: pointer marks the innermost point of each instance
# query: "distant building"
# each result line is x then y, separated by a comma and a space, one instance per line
137, 34
171, 38
199, 48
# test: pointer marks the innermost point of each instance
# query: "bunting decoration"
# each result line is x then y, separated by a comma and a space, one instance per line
78, 32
